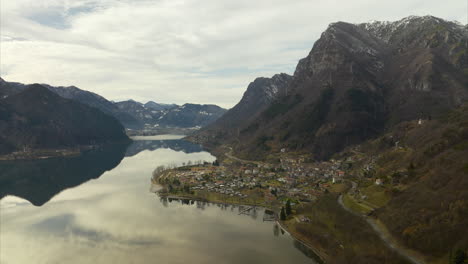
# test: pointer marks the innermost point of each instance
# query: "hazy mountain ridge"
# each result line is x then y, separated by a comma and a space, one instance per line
184, 116
358, 81
133, 115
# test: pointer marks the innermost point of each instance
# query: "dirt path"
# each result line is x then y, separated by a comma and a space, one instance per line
385, 235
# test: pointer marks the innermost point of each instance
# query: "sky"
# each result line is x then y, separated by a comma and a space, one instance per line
177, 51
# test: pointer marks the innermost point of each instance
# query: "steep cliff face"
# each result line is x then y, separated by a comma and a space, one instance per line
357, 81
259, 94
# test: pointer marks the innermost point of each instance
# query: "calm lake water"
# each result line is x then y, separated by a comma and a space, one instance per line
100, 208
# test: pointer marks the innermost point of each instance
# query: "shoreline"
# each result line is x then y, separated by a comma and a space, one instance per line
43, 154
319, 255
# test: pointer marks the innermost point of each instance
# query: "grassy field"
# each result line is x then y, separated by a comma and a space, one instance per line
377, 196
355, 206
339, 188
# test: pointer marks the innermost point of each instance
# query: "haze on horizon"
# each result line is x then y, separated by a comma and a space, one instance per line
175, 51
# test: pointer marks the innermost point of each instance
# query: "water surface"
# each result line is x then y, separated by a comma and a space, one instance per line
100, 208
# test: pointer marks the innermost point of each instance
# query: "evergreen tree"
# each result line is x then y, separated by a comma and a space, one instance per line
460, 257
411, 169
282, 214
288, 207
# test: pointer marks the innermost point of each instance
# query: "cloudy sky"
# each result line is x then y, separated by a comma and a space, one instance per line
176, 51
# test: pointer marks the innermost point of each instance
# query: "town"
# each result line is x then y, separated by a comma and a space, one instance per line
293, 177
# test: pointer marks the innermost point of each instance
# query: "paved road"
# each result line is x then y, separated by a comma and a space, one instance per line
384, 235
229, 155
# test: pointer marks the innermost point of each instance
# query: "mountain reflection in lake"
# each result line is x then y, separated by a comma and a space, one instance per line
174, 144
39, 180
116, 219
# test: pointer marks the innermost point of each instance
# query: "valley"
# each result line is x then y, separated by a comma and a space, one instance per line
358, 156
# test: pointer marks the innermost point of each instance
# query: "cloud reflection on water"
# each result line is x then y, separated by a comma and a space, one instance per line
116, 219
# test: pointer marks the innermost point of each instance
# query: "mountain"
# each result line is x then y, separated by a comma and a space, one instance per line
191, 115
76, 94
185, 116
358, 81
260, 94
37, 118
159, 107
424, 167
133, 115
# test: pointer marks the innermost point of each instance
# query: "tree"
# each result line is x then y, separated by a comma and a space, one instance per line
274, 192
176, 182
282, 214
288, 207
460, 257
411, 169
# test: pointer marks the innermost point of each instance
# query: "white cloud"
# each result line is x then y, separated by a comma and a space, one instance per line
174, 50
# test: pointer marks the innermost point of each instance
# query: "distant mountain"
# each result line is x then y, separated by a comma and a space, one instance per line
76, 94
37, 118
159, 107
133, 115
185, 116
357, 81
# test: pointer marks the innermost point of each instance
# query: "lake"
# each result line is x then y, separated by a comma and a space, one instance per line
101, 208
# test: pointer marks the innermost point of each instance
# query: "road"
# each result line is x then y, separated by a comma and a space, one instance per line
384, 234
229, 155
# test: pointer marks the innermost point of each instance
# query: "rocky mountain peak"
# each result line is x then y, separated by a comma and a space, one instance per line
342, 46
356, 81
417, 31
267, 89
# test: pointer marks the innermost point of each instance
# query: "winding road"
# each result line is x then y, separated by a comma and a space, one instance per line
383, 234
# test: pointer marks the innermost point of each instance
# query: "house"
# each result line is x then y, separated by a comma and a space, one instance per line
378, 182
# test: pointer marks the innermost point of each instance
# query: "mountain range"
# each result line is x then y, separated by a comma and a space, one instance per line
152, 115
358, 81
389, 97
133, 115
